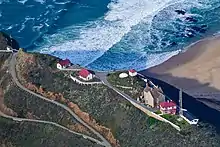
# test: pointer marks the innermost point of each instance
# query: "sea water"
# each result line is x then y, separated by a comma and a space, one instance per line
109, 34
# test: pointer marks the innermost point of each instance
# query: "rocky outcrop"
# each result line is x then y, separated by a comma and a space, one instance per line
6, 40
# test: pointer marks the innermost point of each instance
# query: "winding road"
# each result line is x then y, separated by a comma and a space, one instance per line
15, 79
103, 77
51, 123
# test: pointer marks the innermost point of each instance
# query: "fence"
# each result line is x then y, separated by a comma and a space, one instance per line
82, 82
154, 115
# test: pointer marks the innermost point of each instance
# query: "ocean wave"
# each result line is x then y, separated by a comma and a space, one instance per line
140, 63
4, 1
119, 30
40, 1
106, 32
22, 1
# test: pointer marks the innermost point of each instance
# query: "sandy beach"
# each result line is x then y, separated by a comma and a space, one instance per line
196, 71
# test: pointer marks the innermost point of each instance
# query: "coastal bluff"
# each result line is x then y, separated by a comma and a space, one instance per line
196, 71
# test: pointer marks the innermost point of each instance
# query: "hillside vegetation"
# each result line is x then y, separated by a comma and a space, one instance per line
105, 110
19, 103
30, 134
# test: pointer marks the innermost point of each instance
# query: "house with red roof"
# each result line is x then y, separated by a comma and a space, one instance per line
168, 107
85, 75
132, 72
63, 64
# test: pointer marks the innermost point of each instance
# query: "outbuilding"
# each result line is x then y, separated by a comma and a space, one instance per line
168, 107
63, 64
132, 72
85, 75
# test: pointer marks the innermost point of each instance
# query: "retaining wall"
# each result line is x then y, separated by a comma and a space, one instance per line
82, 82
154, 115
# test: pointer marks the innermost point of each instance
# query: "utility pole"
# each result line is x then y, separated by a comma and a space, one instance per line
180, 102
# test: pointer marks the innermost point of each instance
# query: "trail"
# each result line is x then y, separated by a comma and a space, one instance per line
14, 76
51, 123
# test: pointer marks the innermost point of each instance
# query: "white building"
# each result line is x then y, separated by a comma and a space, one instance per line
132, 72
63, 64
85, 75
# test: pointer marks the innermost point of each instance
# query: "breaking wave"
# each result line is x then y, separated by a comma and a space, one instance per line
131, 34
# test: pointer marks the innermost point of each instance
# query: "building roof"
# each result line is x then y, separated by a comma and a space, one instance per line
167, 104
64, 62
132, 70
123, 75
84, 73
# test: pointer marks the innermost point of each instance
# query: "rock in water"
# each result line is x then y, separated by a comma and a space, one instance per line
180, 12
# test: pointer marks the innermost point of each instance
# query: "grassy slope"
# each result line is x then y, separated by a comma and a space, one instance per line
134, 82
130, 126
29, 134
29, 106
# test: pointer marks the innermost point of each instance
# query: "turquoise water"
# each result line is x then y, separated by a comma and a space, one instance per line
109, 34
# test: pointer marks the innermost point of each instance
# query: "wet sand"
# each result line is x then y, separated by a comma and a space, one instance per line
196, 71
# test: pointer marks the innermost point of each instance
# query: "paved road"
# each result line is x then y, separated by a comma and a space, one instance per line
5, 51
51, 123
14, 76
103, 77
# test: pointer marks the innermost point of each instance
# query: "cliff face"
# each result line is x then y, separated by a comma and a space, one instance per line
6, 40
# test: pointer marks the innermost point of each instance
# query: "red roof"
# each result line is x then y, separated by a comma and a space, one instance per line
64, 62
167, 104
84, 73
132, 70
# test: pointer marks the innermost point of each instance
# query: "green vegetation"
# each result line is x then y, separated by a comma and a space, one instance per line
158, 112
176, 120
30, 134
134, 82
129, 125
26, 105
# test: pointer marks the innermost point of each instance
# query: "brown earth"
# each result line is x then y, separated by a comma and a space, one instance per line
26, 62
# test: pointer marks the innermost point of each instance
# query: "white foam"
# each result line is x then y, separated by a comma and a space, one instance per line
84, 43
9, 28
61, 3
4, 1
141, 63
22, 1
106, 32
40, 1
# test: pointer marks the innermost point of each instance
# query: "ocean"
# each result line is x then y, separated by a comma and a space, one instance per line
110, 34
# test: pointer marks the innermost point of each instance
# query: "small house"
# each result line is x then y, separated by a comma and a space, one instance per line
85, 75
168, 107
63, 64
132, 72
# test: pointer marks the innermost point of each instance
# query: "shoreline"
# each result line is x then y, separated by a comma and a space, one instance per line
189, 50
195, 71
